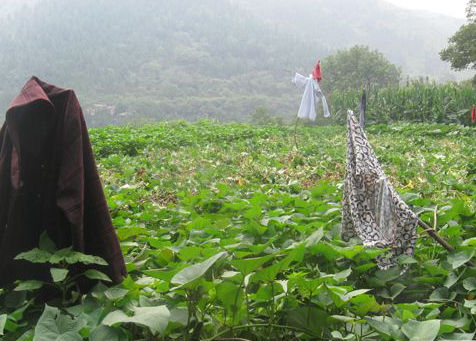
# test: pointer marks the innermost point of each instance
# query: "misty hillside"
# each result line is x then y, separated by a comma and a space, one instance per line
410, 39
190, 59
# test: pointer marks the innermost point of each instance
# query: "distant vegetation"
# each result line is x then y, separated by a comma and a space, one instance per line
144, 60
418, 101
359, 68
461, 52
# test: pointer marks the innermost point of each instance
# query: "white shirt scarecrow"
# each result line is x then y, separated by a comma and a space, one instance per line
312, 94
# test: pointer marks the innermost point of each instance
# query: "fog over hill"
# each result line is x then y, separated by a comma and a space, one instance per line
411, 39
160, 59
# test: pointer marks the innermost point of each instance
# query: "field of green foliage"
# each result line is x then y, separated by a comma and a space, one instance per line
418, 101
229, 233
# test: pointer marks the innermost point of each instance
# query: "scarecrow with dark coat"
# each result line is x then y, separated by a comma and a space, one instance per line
49, 182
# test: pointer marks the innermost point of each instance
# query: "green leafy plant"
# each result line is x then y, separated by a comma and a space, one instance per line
60, 261
227, 232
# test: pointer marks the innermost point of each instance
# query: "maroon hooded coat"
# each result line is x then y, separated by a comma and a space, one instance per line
49, 182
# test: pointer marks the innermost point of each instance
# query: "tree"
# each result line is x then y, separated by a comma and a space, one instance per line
359, 67
461, 50
471, 10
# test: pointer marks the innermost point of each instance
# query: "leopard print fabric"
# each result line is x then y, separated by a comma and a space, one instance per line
372, 209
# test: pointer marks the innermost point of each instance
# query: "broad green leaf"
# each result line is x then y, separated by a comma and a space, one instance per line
154, 318
421, 331
228, 293
440, 294
58, 274
337, 294
306, 287
253, 212
396, 290
179, 315
459, 258
453, 278
35, 256
14, 299
435, 269
354, 293
364, 267
470, 283
266, 292
343, 274
26, 336
3, 321
314, 238
269, 273
455, 323
46, 244
125, 233
470, 304
69, 256
115, 293
350, 252
246, 266
388, 275
231, 274
338, 336
193, 272
54, 326
189, 252
28, 285
458, 337
341, 318
96, 274
325, 249
231, 296
311, 319
363, 304
405, 259
386, 326
469, 242
105, 333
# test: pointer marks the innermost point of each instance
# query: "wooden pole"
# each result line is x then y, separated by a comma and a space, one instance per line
295, 131
433, 234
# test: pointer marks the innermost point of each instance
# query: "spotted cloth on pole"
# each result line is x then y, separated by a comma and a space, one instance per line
372, 209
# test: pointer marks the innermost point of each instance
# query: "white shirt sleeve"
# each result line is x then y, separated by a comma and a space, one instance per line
300, 80
320, 96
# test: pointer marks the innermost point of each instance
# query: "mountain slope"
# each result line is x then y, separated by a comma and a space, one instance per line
160, 59
410, 39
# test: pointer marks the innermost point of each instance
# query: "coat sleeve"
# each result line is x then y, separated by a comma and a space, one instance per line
70, 189
5, 151
81, 197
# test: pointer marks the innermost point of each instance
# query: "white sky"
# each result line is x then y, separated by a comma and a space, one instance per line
455, 8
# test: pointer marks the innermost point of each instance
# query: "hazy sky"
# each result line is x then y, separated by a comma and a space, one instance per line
454, 8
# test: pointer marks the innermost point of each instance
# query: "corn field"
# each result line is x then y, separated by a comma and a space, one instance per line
416, 102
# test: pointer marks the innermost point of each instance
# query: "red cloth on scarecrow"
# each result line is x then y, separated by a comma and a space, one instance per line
473, 114
316, 74
49, 182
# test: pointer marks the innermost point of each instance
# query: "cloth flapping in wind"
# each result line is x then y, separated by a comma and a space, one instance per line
372, 209
312, 94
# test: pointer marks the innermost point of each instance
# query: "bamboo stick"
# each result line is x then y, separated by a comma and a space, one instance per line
295, 131
433, 234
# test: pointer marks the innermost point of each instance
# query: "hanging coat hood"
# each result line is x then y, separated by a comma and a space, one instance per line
49, 182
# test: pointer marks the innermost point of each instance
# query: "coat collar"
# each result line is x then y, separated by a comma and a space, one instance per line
33, 91
34, 99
